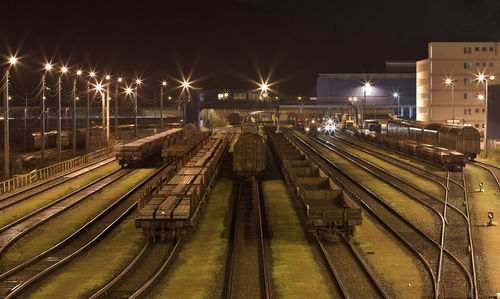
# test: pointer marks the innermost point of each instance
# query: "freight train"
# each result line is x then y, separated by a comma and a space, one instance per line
249, 156
327, 208
446, 145
309, 123
175, 209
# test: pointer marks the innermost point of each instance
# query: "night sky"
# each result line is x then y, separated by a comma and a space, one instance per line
227, 43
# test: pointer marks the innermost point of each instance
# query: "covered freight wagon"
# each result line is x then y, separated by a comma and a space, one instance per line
249, 157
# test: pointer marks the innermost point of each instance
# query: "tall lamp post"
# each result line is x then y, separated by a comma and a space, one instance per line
59, 129
354, 100
137, 83
87, 115
163, 85
6, 152
78, 73
116, 106
451, 82
185, 87
108, 77
483, 78
396, 95
367, 85
48, 67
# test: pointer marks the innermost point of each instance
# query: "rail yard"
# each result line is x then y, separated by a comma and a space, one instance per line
255, 210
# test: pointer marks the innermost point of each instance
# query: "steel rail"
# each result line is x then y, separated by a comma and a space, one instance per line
439, 245
332, 269
264, 270
158, 273
85, 247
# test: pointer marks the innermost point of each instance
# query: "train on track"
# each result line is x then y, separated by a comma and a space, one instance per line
327, 208
310, 124
447, 145
249, 156
176, 207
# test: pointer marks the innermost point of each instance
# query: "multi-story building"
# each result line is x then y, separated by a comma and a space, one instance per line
448, 89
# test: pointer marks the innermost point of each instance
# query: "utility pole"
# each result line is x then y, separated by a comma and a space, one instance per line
25, 122
6, 153
74, 117
59, 145
42, 128
135, 110
107, 114
87, 120
163, 84
116, 110
103, 104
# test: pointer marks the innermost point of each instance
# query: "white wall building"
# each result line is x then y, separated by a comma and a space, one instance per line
461, 62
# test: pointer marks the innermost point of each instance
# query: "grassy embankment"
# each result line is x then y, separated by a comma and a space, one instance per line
58, 228
197, 271
489, 244
41, 199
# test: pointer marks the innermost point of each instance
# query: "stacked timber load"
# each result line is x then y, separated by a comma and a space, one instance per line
190, 138
327, 207
140, 151
175, 209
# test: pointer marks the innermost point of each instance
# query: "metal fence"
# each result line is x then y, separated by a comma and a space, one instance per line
40, 174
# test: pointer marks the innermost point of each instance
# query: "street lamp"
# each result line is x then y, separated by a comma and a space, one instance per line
366, 86
451, 82
137, 83
483, 78
185, 87
87, 114
354, 100
12, 61
64, 69
47, 68
108, 78
116, 106
163, 85
78, 73
396, 95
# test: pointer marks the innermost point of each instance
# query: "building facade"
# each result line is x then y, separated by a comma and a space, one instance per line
460, 99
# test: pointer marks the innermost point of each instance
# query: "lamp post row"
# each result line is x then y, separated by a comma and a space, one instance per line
43, 116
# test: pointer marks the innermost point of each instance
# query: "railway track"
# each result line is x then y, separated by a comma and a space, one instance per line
492, 169
423, 247
9, 199
247, 274
357, 279
22, 277
455, 235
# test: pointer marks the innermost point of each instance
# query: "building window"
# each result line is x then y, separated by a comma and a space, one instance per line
484, 64
469, 50
465, 111
484, 110
476, 125
491, 49
477, 64
477, 49
476, 110
491, 64
483, 126
465, 50
484, 49
469, 111
465, 96
470, 65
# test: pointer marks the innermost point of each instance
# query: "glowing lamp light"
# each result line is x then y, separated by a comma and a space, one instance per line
120, 79
77, 98
319, 129
307, 129
64, 69
108, 77
79, 72
128, 90
48, 67
492, 77
481, 97
481, 77
164, 83
98, 87
13, 60
300, 98
447, 81
313, 121
138, 81
330, 121
185, 84
395, 95
264, 86
92, 74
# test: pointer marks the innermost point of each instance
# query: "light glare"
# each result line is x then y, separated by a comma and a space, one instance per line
48, 67
13, 60
79, 72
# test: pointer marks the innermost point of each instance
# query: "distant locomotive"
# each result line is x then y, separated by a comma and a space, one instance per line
309, 123
234, 119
